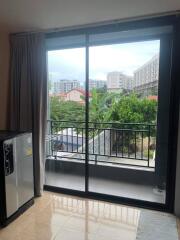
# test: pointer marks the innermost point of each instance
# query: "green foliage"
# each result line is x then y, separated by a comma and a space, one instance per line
102, 90
116, 108
151, 154
131, 109
120, 109
106, 107
66, 111
100, 104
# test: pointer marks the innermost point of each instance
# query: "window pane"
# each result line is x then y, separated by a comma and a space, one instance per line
123, 114
66, 126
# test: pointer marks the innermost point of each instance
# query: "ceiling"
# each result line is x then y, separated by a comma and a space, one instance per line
22, 15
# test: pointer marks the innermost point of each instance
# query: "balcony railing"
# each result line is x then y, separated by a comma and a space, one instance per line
111, 143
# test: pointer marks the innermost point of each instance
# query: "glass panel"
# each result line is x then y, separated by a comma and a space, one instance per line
123, 118
65, 141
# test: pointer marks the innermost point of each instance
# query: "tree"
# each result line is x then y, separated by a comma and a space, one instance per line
131, 109
67, 111
100, 104
106, 107
120, 111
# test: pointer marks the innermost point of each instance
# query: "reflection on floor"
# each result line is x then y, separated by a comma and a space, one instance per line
122, 189
61, 217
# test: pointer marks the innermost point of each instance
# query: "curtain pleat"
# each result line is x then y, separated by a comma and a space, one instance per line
28, 95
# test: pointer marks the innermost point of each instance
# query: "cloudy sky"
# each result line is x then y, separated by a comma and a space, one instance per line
126, 58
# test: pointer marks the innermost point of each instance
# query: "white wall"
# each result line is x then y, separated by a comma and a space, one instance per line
21, 15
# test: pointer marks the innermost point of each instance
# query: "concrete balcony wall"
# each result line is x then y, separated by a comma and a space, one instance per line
133, 175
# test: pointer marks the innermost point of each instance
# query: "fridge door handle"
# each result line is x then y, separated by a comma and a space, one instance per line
8, 158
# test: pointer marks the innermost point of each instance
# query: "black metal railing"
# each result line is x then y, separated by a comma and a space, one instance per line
108, 142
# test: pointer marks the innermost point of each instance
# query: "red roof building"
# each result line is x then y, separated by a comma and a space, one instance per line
153, 97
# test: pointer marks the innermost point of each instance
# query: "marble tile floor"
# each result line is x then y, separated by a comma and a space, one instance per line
63, 217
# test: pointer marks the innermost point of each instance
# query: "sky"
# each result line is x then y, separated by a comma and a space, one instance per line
125, 58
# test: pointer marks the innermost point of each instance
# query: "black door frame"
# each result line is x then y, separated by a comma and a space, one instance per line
87, 117
174, 109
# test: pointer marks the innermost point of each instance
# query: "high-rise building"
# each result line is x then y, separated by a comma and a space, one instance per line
64, 86
146, 77
97, 84
117, 81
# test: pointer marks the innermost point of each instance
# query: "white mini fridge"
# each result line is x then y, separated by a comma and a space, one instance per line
16, 173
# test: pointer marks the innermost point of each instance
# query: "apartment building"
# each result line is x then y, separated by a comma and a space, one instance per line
96, 84
146, 77
117, 81
64, 86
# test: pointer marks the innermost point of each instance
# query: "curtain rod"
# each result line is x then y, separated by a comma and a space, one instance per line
102, 23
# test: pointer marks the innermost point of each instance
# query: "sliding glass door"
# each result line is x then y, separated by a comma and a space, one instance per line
108, 121
65, 164
123, 112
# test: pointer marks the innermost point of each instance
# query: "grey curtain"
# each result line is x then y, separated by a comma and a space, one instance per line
28, 95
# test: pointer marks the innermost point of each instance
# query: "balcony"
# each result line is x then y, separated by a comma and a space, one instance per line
121, 158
